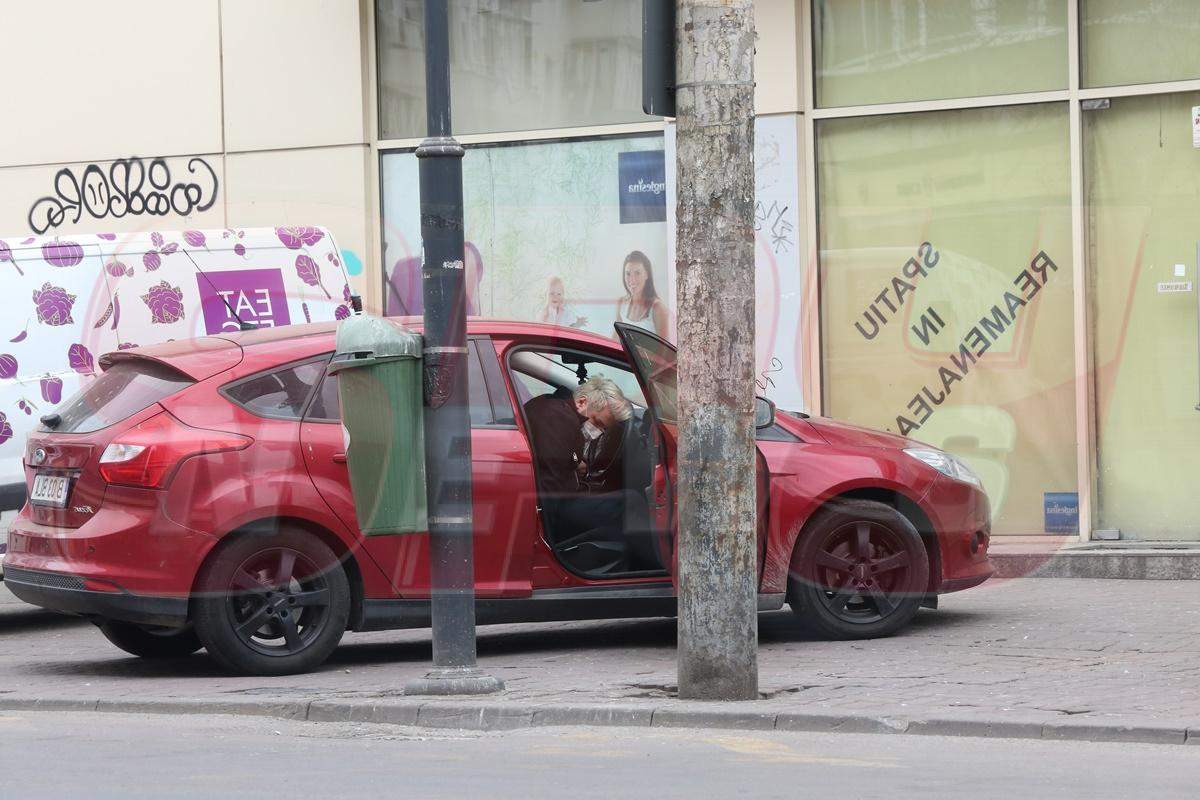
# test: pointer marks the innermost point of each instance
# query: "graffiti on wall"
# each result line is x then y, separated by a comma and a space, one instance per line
128, 187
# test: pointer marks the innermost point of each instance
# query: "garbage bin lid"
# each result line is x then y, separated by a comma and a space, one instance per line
363, 340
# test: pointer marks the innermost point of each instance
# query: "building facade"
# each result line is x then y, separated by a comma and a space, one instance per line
974, 217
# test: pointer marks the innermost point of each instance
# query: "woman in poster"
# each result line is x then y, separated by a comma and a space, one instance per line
641, 305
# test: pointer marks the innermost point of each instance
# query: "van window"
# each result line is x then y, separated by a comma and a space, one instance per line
118, 393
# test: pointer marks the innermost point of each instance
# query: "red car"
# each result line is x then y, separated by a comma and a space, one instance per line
196, 494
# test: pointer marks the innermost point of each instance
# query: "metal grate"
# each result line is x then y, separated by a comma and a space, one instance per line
54, 580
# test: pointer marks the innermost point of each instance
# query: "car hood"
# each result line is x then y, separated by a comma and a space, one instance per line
843, 434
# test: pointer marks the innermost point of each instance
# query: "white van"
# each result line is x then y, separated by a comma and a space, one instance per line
65, 300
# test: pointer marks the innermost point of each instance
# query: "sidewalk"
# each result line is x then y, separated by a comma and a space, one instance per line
1083, 659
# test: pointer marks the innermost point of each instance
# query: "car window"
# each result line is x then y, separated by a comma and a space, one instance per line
655, 362
118, 393
327, 407
538, 372
279, 394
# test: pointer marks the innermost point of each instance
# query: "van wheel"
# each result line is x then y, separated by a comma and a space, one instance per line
274, 604
860, 571
151, 642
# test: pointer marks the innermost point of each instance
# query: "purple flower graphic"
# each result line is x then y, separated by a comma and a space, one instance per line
53, 305
117, 269
240, 249
62, 254
6, 431
151, 261
346, 293
165, 303
52, 389
126, 346
6, 255
194, 238
341, 312
167, 249
108, 237
294, 237
80, 359
310, 273
8, 365
156, 239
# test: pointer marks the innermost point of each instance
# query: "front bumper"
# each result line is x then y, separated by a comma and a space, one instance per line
961, 515
65, 593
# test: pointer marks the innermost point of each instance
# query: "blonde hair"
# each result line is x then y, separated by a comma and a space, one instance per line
599, 392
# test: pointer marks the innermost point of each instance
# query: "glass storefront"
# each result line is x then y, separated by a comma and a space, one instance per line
536, 212
945, 247
1143, 201
890, 51
514, 64
1145, 41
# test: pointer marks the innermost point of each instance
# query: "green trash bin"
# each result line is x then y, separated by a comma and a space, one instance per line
378, 364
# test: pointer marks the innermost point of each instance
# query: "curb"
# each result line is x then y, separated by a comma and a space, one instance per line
497, 717
1123, 564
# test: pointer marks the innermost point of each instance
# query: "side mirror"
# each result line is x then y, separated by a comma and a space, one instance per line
764, 413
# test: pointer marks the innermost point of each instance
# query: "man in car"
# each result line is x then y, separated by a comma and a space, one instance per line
561, 426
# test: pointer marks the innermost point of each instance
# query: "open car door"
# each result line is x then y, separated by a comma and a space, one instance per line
654, 362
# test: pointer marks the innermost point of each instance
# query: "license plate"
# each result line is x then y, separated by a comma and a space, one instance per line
50, 490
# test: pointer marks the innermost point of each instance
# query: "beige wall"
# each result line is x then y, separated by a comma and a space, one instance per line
271, 94
776, 57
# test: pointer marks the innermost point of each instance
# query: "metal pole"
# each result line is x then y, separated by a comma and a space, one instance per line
714, 97
447, 420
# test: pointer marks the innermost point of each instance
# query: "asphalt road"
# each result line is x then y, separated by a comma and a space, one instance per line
58, 754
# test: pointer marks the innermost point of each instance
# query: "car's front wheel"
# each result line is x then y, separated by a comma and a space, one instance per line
148, 642
272, 604
860, 571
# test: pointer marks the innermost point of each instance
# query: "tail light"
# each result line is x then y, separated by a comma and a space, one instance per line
147, 455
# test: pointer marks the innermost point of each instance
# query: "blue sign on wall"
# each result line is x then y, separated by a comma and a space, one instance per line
643, 190
1062, 512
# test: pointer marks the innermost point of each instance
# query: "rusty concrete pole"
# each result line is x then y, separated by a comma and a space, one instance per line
718, 610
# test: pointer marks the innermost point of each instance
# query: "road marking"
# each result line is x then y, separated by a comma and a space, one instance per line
779, 753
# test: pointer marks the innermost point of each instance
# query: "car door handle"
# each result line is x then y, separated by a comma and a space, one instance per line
339, 458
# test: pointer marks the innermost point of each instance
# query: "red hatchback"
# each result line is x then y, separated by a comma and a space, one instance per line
196, 495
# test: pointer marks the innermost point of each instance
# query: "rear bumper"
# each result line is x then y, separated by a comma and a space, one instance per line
58, 592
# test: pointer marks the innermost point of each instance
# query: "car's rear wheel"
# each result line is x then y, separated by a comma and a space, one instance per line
860, 571
151, 642
272, 604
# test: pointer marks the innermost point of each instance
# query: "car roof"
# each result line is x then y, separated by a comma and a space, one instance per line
262, 345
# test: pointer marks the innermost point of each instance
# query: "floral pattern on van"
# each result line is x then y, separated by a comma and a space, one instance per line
294, 237
53, 305
165, 303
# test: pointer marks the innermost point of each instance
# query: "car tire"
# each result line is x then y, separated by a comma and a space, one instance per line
859, 571
147, 642
272, 604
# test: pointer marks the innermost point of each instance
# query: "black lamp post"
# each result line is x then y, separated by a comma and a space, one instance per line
447, 419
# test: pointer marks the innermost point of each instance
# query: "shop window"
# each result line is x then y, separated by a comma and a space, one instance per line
542, 219
946, 293
889, 51
514, 64
1128, 42
1140, 169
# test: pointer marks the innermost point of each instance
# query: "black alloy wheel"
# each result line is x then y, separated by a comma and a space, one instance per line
272, 604
278, 602
860, 571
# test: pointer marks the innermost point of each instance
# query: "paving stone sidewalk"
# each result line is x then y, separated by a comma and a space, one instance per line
1086, 659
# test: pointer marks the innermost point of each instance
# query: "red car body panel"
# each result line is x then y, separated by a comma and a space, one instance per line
153, 542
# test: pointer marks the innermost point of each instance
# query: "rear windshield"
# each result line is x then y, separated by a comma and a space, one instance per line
121, 391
